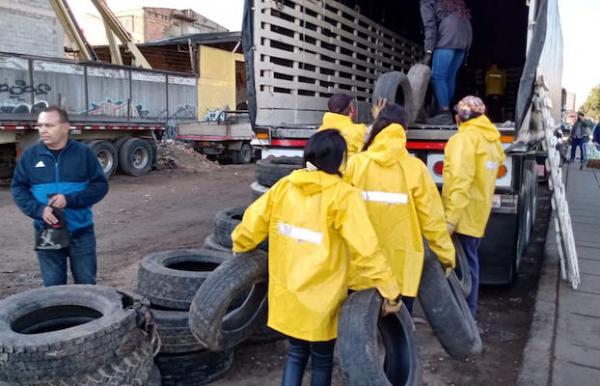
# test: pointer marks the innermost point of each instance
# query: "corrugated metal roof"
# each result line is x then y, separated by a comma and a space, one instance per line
202, 38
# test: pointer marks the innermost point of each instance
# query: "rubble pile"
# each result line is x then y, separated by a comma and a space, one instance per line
174, 154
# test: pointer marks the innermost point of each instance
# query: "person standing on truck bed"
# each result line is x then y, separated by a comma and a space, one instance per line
402, 200
448, 37
341, 115
69, 173
312, 217
471, 161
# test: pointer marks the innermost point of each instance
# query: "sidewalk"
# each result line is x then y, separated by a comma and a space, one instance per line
564, 342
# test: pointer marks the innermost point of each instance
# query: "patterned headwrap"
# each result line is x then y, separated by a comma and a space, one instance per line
456, 6
469, 107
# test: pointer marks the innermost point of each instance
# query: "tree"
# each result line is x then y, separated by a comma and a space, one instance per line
591, 107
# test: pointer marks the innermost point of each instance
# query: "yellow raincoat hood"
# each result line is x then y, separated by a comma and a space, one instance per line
404, 206
353, 133
472, 159
313, 221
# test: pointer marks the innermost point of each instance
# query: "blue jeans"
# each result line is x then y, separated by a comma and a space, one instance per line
578, 143
408, 301
471, 247
446, 63
321, 362
81, 254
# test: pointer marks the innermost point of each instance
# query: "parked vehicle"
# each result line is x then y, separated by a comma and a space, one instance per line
298, 53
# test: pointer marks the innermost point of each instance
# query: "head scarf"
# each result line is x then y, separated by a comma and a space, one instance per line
469, 107
456, 6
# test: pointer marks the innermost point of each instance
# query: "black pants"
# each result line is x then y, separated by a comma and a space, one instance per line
321, 362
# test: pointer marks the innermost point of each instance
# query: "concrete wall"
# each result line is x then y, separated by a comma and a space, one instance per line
30, 27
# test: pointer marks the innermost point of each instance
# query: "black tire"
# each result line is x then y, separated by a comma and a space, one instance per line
174, 332
359, 350
193, 369
225, 222
242, 156
257, 190
211, 243
155, 377
446, 309
264, 334
396, 88
213, 320
119, 143
136, 157
271, 170
63, 331
462, 270
171, 278
107, 156
419, 76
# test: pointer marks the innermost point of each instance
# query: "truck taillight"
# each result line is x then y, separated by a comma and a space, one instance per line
262, 135
438, 168
502, 171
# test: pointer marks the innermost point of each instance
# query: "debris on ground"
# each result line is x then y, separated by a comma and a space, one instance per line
174, 154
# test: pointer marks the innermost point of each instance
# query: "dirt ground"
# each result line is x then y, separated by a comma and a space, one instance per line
174, 209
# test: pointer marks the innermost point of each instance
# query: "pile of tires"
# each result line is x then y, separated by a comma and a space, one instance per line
76, 335
170, 280
271, 170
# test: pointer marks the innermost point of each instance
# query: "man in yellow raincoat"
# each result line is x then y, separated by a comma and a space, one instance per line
313, 220
402, 200
471, 162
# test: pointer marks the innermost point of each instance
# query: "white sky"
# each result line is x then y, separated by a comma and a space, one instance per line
580, 21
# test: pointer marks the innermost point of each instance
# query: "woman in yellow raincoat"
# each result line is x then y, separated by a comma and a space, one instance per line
403, 202
313, 218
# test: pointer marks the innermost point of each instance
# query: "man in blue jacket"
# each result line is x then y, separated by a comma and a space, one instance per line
61, 173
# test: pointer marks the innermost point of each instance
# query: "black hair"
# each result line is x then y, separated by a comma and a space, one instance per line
392, 113
326, 150
340, 103
62, 114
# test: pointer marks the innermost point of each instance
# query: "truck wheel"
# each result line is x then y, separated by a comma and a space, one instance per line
136, 157
242, 156
65, 331
214, 319
396, 88
271, 170
392, 361
171, 278
446, 309
194, 368
462, 270
107, 156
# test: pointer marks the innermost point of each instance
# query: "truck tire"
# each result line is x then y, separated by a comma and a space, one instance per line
446, 309
65, 331
257, 190
107, 156
155, 378
193, 369
419, 76
359, 349
211, 243
396, 88
136, 157
242, 156
213, 320
174, 332
170, 279
462, 269
271, 170
225, 222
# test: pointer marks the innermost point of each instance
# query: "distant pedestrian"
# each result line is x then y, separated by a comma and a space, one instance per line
56, 176
471, 161
579, 136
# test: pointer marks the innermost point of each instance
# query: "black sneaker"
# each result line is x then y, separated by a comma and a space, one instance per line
444, 118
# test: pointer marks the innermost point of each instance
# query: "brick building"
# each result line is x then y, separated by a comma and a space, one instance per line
30, 27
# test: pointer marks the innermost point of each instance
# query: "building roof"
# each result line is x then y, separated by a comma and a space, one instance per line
201, 38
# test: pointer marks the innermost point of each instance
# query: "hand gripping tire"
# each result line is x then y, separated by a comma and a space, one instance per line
214, 321
462, 270
396, 88
170, 279
65, 331
361, 354
446, 309
271, 170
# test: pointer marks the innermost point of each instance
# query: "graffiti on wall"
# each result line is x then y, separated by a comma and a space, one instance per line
116, 108
215, 115
21, 90
23, 108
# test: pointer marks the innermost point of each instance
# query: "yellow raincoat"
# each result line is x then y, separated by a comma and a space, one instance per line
403, 204
353, 133
311, 218
471, 162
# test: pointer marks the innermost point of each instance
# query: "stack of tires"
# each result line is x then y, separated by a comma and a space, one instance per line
271, 170
76, 335
170, 280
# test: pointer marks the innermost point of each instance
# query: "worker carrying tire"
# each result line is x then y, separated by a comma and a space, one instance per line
448, 38
472, 158
312, 219
403, 202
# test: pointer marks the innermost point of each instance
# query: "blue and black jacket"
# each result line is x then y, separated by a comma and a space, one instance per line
75, 173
